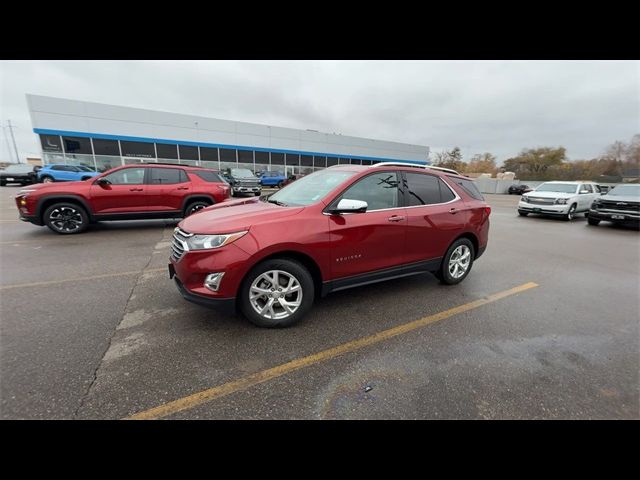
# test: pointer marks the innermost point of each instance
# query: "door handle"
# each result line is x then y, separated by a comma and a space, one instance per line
396, 218
135, 189
453, 211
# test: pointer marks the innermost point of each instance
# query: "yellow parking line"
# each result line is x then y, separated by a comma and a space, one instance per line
271, 373
80, 279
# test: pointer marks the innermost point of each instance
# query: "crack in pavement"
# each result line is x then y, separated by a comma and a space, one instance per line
124, 313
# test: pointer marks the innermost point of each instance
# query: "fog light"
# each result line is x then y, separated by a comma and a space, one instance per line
212, 281
23, 201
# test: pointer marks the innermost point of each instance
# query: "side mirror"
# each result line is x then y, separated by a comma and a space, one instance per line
103, 182
350, 206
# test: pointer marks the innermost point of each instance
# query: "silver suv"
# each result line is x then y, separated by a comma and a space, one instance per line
563, 199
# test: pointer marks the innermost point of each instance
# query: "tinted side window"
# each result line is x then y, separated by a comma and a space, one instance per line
127, 176
208, 176
164, 176
587, 187
422, 189
58, 167
446, 195
379, 190
469, 187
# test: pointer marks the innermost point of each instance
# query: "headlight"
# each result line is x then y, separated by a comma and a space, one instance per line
561, 201
595, 205
524, 199
205, 242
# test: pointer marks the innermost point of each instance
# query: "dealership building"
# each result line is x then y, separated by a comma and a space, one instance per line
105, 136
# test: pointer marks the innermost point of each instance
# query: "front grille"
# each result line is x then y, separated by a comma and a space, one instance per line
178, 247
625, 207
541, 201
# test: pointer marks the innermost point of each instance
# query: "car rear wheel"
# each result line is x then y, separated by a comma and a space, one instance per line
457, 262
194, 207
522, 213
593, 221
276, 293
280, 184
66, 218
47, 179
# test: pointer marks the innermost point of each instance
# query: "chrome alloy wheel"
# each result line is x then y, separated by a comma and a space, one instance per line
275, 294
459, 261
65, 219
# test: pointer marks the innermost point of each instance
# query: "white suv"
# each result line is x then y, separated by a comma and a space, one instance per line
559, 198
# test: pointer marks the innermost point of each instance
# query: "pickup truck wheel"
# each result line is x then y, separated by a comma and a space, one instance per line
194, 207
47, 179
276, 293
571, 213
593, 221
457, 262
66, 218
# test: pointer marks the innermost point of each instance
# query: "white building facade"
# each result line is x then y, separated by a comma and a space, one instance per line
105, 136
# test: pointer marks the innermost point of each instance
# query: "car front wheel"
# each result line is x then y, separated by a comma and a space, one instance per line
457, 262
276, 293
66, 218
47, 179
522, 213
571, 213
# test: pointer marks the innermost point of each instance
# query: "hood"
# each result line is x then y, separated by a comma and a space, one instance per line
55, 186
620, 198
549, 194
234, 215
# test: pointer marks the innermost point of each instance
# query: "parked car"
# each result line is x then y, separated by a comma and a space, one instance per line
272, 179
57, 172
563, 199
130, 192
242, 180
292, 178
337, 228
18, 173
519, 189
619, 205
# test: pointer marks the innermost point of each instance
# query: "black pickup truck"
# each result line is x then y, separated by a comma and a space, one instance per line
242, 181
619, 205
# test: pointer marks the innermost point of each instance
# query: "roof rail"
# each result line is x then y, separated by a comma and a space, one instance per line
169, 163
414, 165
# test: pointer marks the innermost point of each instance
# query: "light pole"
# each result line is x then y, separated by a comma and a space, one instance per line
13, 139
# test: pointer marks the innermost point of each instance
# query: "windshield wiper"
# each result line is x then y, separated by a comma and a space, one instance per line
277, 202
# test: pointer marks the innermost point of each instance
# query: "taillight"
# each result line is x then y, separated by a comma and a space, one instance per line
487, 210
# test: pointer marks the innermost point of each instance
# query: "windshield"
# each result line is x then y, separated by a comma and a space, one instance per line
310, 188
557, 187
241, 172
627, 190
18, 169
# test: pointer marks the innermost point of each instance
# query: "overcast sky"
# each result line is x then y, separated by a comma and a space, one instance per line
495, 106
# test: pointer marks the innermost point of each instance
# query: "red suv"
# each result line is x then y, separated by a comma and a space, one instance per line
130, 192
340, 227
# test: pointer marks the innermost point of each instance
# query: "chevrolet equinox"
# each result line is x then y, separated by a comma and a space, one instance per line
340, 227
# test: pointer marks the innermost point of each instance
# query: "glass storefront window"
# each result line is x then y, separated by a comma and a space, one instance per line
193, 163
277, 158
81, 145
319, 162
292, 159
48, 158
213, 165
261, 167
107, 162
187, 152
106, 147
51, 143
332, 161
167, 150
84, 160
227, 155
262, 160
225, 165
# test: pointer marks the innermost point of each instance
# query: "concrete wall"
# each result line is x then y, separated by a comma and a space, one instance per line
63, 115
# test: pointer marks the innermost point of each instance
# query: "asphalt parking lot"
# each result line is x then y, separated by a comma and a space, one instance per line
545, 326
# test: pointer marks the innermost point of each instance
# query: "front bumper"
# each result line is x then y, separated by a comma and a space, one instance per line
224, 305
242, 189
610, 216
544, 209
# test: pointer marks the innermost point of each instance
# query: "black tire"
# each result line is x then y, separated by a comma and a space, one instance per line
47, 179
85, 178
593, 221
2, 183
280, 184
522, 213
444, 274
74, 218
194, 206
257, 194
290, 267
571, 213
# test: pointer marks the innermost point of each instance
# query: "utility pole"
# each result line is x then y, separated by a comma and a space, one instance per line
15, 147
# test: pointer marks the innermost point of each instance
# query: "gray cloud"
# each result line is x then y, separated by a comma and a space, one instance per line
494, 106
